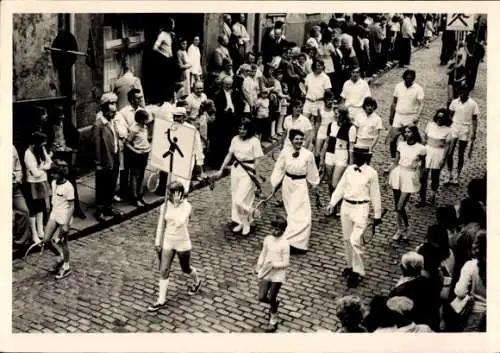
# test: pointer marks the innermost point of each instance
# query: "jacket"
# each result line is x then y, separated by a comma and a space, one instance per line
104, 145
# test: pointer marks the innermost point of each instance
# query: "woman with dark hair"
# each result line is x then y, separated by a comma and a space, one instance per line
472, 283
37, 162
172, 237
405, 175
294, 168
336, 154
380, 318
325, 51
244, 154
473, 208
437, 140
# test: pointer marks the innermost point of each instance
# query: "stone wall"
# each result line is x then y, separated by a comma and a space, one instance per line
33, 74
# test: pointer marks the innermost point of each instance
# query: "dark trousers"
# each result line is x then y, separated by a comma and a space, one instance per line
105, 184
137, 165
472, 66
405, 53
125, 176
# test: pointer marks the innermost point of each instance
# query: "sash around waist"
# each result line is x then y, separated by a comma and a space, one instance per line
295, 176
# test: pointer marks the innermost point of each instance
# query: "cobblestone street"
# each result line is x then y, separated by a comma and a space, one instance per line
115, 274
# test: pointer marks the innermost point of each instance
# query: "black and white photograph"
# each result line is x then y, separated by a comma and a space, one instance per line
181, 172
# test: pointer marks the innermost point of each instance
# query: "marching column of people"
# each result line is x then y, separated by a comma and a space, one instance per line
317, 101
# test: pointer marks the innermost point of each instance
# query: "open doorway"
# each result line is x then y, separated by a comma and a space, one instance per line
187, 25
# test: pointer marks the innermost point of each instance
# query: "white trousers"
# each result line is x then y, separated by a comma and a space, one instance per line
354, 219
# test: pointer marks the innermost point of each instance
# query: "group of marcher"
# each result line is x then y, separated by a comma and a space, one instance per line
317, 102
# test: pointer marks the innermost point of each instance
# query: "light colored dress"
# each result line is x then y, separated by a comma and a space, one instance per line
437, 137
405, 177
194, 58
295, 173
242, 187
275, 253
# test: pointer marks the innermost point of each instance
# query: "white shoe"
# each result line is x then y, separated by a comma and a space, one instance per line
238, 228
397, 235
246, 229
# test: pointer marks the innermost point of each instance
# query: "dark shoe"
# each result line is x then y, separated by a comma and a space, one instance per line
346, 272
99, 217
353, 280
295, 251
156, 306
57, 267
63, 273
112, 213
272, 328
420, 204
194, 288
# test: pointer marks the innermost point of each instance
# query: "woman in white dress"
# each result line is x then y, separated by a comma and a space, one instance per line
245, 151
194, 59
437, 141
336, 154
326, 117
405, 175
271, 269
295, 168
172, 237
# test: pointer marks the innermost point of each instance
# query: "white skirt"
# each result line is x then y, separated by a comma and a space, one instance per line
340, 158
434, 157
404, 179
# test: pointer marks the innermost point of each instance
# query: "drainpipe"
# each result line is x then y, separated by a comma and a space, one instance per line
71, 27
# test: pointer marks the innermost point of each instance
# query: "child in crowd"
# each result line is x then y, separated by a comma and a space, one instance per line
207, 117
262, 115
61, 216
138, 148
284, 104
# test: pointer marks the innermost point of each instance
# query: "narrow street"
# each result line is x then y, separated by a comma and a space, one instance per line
115, 271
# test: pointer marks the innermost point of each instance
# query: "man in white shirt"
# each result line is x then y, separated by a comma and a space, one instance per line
406, 107
249, 88
123, 86
407, 35
125, 119
354, 93
464, 112
358, 187
317, 82
194, 101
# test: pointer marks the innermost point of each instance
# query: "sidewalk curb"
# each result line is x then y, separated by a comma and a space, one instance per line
18, 253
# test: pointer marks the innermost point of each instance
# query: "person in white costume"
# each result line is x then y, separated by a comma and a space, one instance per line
437, 140
271, 269
405, 175
194, 59
295, 168
358, 187
172, 237
244, 152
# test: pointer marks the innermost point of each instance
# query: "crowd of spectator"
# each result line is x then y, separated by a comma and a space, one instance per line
443, 281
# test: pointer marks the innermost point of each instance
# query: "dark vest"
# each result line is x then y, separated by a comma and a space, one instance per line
342, 134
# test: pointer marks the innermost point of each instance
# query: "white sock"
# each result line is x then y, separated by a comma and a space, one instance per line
66, 265
194, 276
162, 295
273, 319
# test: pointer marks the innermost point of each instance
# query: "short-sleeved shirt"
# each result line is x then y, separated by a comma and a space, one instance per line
194, 103
464, 111
355, 93
327, 116
409, 154
368, 127
437, 132
409, 98
138, 138
316, 85
62, 195
246, 150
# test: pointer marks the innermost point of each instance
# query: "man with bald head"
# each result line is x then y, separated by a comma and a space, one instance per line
194, 100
